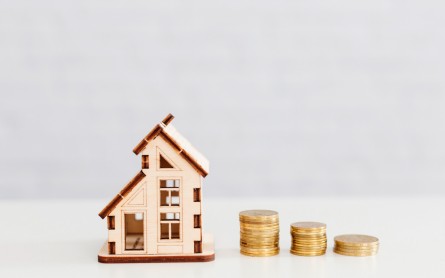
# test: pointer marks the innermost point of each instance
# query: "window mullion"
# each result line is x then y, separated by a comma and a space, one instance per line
169, 230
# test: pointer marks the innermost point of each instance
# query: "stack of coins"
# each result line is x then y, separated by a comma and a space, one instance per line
308, 238
356, 245
259, 233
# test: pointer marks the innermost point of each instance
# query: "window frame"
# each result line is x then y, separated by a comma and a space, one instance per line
169, 223
169, 190
124, 231
159, 152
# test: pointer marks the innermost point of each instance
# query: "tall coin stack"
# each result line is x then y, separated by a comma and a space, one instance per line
356, 245
308, 238
259, 233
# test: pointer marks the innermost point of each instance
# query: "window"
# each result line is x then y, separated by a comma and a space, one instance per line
175, 198
170, 225
134, 231
196, 194
197, 221
111, 248
169, 193
170, 183
170, 216
110, 222
163, 163
198, 247
145, 164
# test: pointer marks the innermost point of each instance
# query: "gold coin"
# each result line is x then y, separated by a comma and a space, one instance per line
264, 254
314, 240
259, 245
308, 246
259, 242
355, 254
259, 236
271, 246
307, 254
374, 249
356, 240
259, 220
260, 223
309, 242
308, 226
259, 233
302, 247
308, 236
356, 248
307, 232
352, 253
260, 250
308, 251
258, 213
259, 227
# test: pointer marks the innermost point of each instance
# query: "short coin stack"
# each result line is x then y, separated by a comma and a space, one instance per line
308, 238
356, 245
259, 233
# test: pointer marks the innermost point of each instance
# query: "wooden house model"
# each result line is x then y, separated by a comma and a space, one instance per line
157, 216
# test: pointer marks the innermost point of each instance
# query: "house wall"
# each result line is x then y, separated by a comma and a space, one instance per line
149, 187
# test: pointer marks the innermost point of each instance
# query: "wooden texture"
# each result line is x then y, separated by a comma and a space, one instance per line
157, 215
192, 155
156, 259
118, 198
205, 249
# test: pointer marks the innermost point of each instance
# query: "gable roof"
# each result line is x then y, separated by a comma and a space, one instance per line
175, 139
121, 195
182, 145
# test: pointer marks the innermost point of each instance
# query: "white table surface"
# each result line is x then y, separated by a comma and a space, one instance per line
61, 238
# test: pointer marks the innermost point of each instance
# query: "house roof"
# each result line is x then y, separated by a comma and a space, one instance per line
121, 195
176, 140
182, 145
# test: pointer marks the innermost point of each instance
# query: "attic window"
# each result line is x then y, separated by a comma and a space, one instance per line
163, 163
110, 222
145, 164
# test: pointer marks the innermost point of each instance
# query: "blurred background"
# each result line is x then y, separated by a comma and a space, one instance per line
302, 98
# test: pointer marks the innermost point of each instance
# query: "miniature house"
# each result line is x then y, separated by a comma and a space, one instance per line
157, 216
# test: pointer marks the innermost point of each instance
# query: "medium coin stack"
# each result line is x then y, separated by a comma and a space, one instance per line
259, 233
356, 245
308, 238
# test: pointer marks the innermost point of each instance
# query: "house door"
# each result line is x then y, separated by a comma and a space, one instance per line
134, 231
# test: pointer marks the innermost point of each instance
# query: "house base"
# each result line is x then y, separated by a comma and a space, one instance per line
207, 255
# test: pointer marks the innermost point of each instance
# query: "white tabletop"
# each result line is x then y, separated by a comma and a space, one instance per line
61, 238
